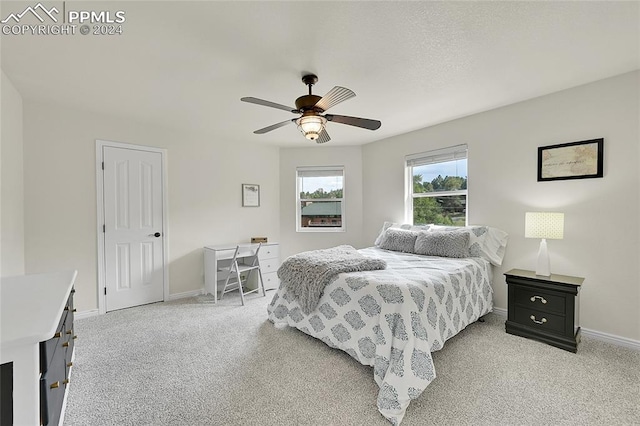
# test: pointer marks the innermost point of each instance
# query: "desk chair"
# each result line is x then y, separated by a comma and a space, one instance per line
243, 263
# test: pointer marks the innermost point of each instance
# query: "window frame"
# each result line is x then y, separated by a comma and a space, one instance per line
443, 155
320, 169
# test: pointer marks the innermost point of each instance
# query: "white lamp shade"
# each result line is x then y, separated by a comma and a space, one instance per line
544, 225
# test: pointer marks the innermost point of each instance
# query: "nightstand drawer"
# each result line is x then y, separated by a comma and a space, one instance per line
539, 320
539, 300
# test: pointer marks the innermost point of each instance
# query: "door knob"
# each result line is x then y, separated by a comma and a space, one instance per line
157, 234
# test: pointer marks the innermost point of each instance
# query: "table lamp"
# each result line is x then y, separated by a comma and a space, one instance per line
543, 225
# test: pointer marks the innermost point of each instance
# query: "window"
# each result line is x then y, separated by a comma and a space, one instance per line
437, 187
320, 199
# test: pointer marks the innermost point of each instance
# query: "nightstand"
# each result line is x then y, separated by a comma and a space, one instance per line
544, 308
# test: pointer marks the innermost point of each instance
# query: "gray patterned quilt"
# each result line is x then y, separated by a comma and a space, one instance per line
393, 319
307, 274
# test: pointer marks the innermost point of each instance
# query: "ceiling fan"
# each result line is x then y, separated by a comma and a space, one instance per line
311, 107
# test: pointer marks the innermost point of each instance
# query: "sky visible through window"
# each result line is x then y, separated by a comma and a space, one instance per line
328, 183
450, 168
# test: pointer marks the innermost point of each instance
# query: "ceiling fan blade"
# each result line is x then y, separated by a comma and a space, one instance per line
365, 123
334, 97
267, 103
272, 127
323, 137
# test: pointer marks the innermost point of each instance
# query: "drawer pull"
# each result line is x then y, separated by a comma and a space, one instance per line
65, 345
542, 299
70, 331
54, 385
70, 364
57, 335
75, 337
74, 310
542, 321
66, 381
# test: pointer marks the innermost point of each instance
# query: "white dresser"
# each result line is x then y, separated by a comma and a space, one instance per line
217, 255
269, 263
36, 331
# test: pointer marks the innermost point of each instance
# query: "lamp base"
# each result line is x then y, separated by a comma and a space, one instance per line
542, 268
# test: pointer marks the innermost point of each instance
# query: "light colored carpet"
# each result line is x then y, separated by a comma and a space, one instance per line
190, 362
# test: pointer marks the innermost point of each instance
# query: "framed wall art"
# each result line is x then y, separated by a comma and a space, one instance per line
574, 160
250, 195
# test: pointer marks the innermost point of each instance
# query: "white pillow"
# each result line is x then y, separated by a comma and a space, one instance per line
405, 226
484, 241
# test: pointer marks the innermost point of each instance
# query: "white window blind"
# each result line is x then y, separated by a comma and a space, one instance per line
319, 172
457, 152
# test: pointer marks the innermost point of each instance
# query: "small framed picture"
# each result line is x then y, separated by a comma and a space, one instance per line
574, 160
250, 195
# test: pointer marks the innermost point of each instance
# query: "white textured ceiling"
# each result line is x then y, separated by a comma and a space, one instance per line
412, 64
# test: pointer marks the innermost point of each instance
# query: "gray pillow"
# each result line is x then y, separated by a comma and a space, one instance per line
406, 226
398, 240
443, 244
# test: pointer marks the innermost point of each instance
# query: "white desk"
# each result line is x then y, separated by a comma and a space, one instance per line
216, 256
31, 309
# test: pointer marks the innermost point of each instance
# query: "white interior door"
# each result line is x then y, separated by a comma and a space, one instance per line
134, 270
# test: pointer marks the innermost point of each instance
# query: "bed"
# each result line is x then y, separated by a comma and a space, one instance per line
393, 318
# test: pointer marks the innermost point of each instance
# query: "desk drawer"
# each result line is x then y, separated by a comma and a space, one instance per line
539, 320
270, 281
269, 252
269, 265
542, 301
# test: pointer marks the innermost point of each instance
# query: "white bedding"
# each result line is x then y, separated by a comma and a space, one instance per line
393, 319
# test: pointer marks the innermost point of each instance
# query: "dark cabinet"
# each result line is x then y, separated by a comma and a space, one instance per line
55, 366
544, 308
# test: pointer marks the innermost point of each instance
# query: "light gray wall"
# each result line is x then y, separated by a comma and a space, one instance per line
11, 181
602, 233
351, 158
204, 191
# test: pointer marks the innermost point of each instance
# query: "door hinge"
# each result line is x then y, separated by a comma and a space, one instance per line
105, 291
103, 165
104, 228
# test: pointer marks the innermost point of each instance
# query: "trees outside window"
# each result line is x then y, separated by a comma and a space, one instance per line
437, 184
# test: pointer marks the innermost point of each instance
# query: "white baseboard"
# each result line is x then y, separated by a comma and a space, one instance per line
94, 312
185, 294
612, 338
597, 335
86, 314
500, 311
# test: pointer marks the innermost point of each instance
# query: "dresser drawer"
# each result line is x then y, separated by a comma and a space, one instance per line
48, 348
269, 265
270, 280
69, 341
269, 252
69, 308
539, 320
52, 390
542, 301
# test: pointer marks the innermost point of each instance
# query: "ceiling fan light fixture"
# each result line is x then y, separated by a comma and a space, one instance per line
311, 123
311, 126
